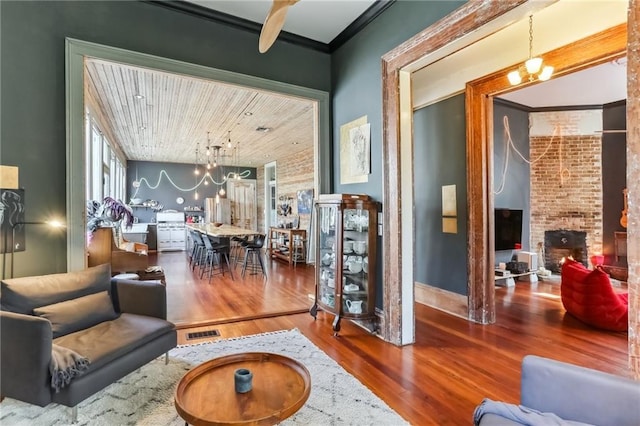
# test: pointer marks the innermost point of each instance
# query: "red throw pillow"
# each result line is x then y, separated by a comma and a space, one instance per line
588, 296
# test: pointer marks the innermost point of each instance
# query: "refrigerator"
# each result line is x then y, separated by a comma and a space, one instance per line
217, 210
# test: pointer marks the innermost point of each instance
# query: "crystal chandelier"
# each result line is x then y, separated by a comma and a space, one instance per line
533, 66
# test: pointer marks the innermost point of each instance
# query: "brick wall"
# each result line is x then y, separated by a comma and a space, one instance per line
566, 183
294, 173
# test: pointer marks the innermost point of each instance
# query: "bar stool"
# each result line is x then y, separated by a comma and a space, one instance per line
253, 256
197, 251
221, 251
299, 250
237, 249
214, 253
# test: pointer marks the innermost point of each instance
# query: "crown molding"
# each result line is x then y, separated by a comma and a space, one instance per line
363, 20
244, 24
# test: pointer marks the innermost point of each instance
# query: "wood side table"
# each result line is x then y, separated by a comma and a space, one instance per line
206, 395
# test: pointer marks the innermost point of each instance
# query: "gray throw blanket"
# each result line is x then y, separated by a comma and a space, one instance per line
65, 365
519, 413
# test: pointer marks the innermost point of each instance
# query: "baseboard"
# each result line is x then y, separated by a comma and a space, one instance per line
443, 300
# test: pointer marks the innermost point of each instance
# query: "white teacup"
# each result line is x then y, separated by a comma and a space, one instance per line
354, 306
360, 247
348, 246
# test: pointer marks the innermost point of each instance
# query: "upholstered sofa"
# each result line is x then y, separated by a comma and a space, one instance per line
554, 392
117, 325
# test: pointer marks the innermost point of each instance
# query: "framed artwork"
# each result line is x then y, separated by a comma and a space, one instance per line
305, 201
355, 151
11, 212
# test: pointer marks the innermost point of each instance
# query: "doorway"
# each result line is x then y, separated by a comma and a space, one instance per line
76, 53
431, 46
271, 197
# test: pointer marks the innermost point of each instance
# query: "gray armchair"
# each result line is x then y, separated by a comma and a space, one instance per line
117, 325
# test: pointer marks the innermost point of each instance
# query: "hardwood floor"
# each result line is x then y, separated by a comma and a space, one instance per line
195, 301
453, 364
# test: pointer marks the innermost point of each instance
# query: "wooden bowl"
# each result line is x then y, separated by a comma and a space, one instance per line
217, 224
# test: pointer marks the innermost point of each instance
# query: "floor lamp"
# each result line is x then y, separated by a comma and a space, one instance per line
53, 224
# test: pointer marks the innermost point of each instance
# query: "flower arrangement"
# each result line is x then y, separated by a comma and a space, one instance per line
110, 212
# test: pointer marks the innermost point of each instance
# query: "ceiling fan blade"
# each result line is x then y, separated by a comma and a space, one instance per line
273, 23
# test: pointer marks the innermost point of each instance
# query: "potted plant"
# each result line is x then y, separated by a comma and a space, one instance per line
110, 212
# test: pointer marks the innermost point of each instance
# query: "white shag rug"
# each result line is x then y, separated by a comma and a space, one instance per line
145, 397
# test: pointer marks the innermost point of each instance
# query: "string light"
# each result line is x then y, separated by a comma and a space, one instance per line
163, 173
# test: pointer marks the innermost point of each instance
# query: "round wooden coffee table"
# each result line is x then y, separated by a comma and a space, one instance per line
206, 394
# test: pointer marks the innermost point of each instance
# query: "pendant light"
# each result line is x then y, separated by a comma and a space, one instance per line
533, 67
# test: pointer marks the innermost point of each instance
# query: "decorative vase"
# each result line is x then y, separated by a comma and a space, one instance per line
243, 380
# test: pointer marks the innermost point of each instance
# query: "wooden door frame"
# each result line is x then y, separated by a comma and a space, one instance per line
466, 20
596, 49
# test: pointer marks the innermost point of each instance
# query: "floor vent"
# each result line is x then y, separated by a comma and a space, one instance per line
202, 334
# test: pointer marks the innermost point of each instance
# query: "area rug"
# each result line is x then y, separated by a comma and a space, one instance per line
145, 397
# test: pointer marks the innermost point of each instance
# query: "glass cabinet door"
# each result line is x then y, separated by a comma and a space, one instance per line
346, 243
327, 253
355, 285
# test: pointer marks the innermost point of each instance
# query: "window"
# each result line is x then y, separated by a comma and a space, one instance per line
105, 173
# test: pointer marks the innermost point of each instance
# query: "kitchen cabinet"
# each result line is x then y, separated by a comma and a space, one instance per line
345, 251
152, 236
287, 244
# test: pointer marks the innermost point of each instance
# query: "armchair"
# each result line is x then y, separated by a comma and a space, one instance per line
118, 326
127, 256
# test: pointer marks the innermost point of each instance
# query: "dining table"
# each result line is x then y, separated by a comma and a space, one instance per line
223, 234
222, 231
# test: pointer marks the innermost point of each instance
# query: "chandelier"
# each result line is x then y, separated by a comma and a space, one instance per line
533, 66
213, 154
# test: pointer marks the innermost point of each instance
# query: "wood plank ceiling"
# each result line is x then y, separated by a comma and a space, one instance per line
159, 116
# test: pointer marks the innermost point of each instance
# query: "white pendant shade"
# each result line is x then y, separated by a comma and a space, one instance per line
514, 77
533, 65
546, 73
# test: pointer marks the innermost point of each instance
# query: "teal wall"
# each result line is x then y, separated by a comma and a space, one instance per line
614, 176
516, 192
32, 71
356, 74
440, 155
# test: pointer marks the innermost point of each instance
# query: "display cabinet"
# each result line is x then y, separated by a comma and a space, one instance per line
345, 250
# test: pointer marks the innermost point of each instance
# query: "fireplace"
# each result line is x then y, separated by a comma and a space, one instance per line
563, 243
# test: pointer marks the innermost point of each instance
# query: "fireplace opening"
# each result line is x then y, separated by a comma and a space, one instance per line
561, 244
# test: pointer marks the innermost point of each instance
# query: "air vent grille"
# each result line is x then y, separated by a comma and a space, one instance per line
202, 334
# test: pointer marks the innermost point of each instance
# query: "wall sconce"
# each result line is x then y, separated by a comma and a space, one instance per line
53, 224
532, 66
